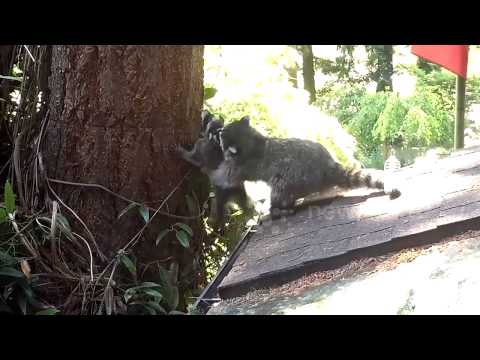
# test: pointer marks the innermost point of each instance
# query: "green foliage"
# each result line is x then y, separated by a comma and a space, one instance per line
388, 129
422, 120
183, 233
153, 298
363, 122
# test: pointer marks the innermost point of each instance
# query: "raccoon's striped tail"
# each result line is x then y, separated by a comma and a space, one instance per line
352, 179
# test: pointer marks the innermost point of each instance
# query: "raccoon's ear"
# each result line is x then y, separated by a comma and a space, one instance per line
245, 120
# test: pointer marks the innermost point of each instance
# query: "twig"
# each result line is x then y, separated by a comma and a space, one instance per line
139, 233
98, 186
29, 53
90, 252
79, 219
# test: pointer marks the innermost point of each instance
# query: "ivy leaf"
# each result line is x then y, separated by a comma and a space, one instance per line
183, 238
161, 235
185, 227
145, 213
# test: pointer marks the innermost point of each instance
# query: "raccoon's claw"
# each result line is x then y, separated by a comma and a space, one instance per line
180, 151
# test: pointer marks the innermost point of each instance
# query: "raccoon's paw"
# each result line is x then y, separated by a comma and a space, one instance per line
395, 193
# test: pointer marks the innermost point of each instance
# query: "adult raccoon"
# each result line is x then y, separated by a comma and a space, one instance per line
293, 168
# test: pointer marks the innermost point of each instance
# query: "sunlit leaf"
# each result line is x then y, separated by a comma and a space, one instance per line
185, 227
183, 238
208, 93
161, 235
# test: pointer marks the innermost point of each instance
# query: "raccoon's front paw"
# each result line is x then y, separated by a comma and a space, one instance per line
180, 151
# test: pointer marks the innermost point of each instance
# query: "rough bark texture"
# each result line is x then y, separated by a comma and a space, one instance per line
116, 115
6, 86
384, 72
308, 71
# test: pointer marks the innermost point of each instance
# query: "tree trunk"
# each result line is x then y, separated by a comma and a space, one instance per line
384, 71
308, 71
116, 115
6, 52
6, 86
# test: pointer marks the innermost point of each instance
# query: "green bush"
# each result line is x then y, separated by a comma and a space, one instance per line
421, 121
390, 124
362, 124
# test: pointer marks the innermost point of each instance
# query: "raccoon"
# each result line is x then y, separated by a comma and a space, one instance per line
208, 156
293, 168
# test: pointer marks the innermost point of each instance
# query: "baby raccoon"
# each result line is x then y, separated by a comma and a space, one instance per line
208, 156
293, 168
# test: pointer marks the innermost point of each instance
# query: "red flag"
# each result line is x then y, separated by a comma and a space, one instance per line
451, 57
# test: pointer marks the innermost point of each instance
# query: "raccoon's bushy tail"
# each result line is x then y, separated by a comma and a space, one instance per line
352, 179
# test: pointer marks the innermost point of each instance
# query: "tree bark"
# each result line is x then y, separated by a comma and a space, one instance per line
116, 114
308, 71
6, 86
384, 71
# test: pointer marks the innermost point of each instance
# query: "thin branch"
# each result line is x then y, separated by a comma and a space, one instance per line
139, 233
29, 53
98, 186
79, 219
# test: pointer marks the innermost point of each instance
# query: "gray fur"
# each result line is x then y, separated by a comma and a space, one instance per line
208, 156
293, 168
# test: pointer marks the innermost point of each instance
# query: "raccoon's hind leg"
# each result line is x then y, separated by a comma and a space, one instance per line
281, 204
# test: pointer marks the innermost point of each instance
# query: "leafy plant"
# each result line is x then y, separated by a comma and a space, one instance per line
183, 233
153, 298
